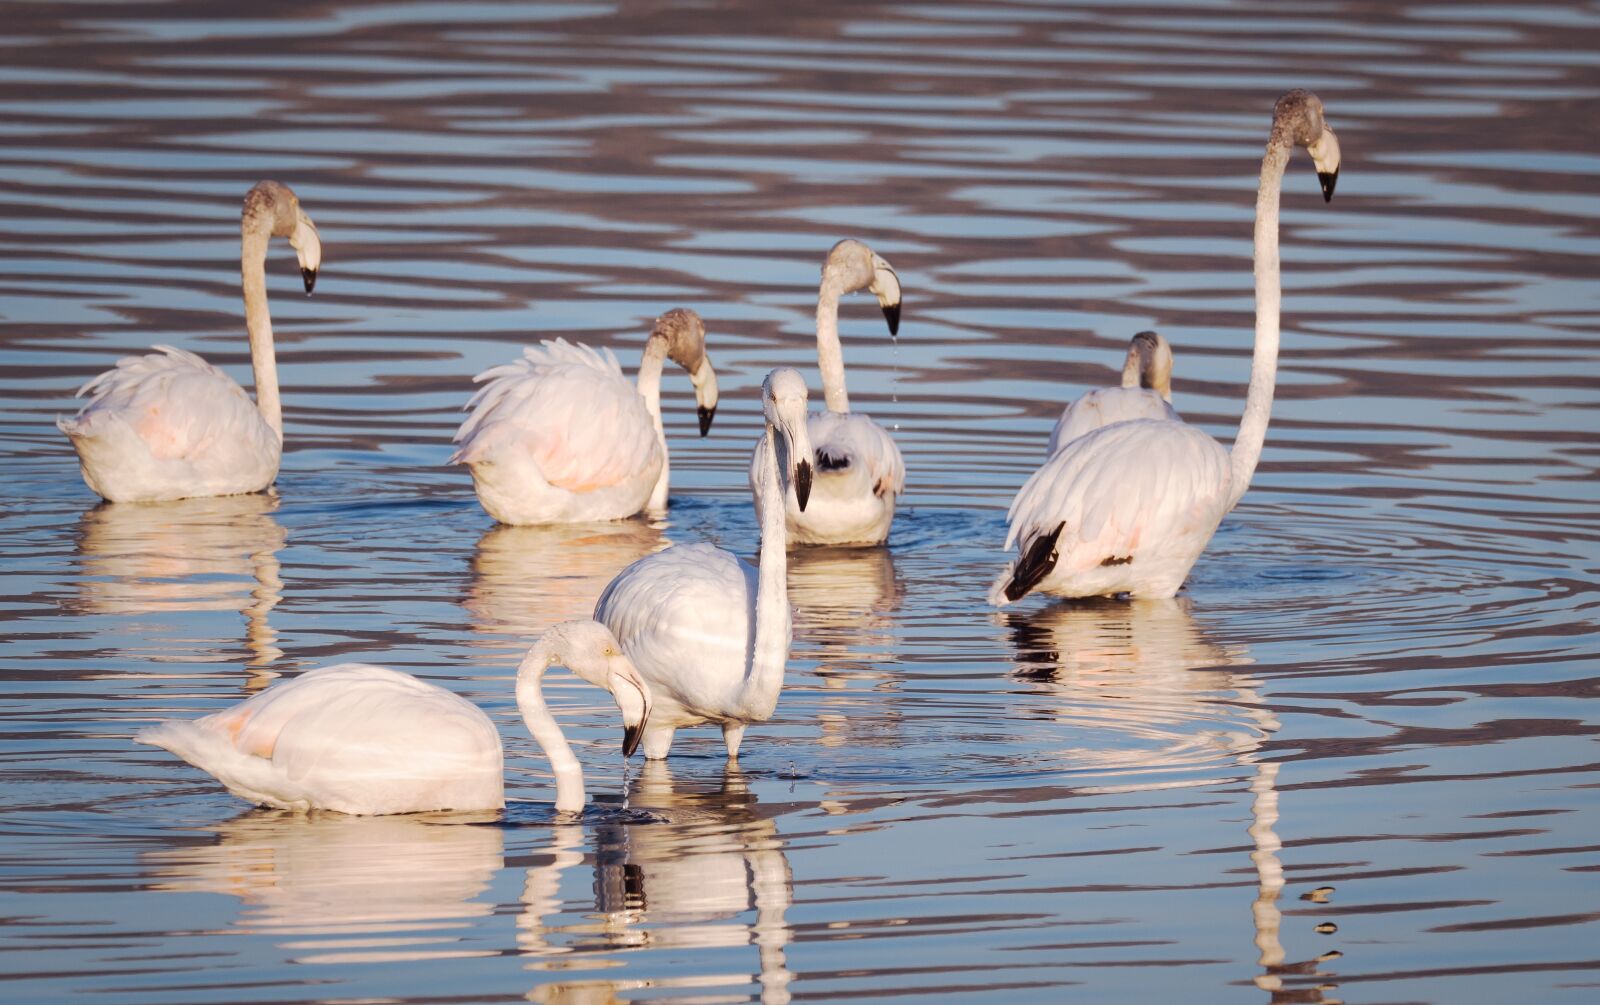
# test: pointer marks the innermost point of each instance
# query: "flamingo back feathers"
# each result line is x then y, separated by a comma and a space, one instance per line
566, 409
1120, 497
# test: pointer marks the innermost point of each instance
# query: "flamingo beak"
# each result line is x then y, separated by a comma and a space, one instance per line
891, 314
633, 698
706, 415
1329, 179
802, 483
310, 276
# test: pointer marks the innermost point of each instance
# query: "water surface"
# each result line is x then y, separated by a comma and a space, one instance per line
1354, 761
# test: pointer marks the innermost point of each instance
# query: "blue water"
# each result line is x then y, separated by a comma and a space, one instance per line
1377, 680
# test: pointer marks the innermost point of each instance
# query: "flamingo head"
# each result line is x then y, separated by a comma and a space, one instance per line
273, 207
854, 266
591, 651
307, 244
1149, 365
783, 401
686, 346
1300, 112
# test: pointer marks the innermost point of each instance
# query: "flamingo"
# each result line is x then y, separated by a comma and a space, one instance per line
367, 740
560, 436
859, 472
709, 632
1146, 393
1129, 507
172, 426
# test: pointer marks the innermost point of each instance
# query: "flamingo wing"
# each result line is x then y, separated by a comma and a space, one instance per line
354, 738
851, 451
686, 617
178, 405
1130, 490
569, 410
853, 444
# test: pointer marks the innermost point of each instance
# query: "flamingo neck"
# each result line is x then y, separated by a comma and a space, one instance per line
258, 322
1246, 450
771, 651
830, 354
570, 796
650, 365
1131, 370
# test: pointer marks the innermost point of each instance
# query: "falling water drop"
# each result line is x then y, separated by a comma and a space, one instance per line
894, 381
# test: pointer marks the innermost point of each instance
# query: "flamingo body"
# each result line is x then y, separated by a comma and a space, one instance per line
354, 738
1131, 507
169, 425
368, 740
708, 632
859, 474
559, 435
1106, 405
1145, 393
690, 606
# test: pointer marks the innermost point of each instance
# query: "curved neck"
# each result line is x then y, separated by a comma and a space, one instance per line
258, 322
1269, 301
655, 355
772, 630
547, 733
830, 355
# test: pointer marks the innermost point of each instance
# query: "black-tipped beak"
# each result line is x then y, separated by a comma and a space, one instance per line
310, 276
1329, 179
802, 483
706, 415
891, 314
630, 739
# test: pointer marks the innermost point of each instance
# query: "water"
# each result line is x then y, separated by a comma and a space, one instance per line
1377, 681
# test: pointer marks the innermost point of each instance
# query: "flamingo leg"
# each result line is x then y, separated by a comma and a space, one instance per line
657, 742
732, 735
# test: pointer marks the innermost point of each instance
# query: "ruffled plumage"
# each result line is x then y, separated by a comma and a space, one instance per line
169, 425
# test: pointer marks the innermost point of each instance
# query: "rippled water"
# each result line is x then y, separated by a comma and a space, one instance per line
1354, 761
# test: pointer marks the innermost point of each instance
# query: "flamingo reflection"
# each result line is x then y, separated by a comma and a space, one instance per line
217, 554
846, 603
525, 579
1165, 699
368, 889
1148, 693
1267, 915
689, 882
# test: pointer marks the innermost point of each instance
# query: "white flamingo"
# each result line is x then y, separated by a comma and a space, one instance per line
561, 436
709, 632
859, 472
1146, 393
172, 426
363, 739
1128, 508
